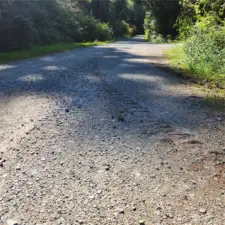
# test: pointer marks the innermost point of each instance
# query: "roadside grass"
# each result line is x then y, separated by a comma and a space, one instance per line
213, 84
36, 51
179, 61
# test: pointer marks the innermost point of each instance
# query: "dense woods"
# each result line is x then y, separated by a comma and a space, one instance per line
25, 23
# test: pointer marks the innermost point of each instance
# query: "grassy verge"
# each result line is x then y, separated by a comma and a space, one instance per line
43, 50
213, 84
178, 60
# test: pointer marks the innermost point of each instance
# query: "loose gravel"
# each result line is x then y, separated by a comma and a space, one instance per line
101, 136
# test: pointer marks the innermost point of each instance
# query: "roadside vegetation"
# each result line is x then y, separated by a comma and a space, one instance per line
40, 50
200, 28
33, 28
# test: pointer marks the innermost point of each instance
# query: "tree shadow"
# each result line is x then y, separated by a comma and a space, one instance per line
125, 75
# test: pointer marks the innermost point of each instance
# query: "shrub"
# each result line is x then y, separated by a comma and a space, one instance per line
104, 32
122, 28
205, 53
132, 30
147, 34
156, 38
27, 23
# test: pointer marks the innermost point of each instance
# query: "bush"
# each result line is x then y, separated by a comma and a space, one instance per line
122, 28
156, 38
27, 23
205, 53
147, 34
202, 56
104, 32
132, 30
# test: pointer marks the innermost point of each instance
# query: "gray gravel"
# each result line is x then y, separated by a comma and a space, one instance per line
101, 136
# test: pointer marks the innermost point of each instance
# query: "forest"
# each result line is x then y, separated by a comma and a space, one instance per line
27, 23
198, 24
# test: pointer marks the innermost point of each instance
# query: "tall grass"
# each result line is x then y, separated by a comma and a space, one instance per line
202, 56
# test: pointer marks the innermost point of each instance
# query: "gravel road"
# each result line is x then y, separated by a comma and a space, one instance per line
101, 136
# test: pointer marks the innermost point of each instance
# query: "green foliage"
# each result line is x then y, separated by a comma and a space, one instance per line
27, 23
124, 29
161, 17
103, 32
157, 39
100, 9
201, 27
152, 31
203, 56
200, 14
135, 15
205, 53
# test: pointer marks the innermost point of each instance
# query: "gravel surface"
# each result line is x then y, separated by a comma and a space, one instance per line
101, 136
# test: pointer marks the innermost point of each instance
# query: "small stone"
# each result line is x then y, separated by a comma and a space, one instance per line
121, 211
107, 167
141, 222
219, 118
134, 208
170, 215
202, 210
18, 167
67, 110
43, 159
92, 197
99, 191
61, 162
12, 222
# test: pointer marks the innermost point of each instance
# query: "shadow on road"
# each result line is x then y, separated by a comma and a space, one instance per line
124, 72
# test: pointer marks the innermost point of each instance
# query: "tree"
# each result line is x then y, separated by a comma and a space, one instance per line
165, 14
100, 9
